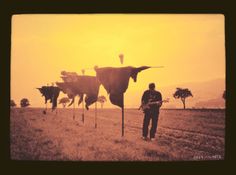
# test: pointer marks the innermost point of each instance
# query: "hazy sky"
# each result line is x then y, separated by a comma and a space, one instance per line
190, 47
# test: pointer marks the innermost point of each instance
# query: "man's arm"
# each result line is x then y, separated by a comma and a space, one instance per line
160, 99
144, 97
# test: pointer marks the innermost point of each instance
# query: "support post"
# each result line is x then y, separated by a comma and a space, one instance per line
74, 111
95, 114
45, 110
83, 111
122, 110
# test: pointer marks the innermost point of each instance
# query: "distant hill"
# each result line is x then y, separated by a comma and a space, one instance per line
212, 103
206, 94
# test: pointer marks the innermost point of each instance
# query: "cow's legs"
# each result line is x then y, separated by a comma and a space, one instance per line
72, 101
52, 100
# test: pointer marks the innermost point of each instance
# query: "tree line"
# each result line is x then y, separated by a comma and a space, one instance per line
63, 101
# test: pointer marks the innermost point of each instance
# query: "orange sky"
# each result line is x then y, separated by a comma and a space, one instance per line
191, 47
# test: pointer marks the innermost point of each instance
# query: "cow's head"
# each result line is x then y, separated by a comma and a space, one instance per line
134, 72
61, 86
65, 88
42, 90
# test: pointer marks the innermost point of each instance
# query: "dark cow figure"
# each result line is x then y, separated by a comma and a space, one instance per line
83, 85
116, 82
50, 93
75, 84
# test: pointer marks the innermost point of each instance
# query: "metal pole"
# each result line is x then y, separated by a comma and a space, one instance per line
45, 110
122, 110
74, 111
95, 114
83, 111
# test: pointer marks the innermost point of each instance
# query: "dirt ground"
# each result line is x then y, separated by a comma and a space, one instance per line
181, 135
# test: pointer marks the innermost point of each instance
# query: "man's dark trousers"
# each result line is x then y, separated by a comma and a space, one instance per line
150, 115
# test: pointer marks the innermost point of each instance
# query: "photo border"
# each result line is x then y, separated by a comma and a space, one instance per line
11, 7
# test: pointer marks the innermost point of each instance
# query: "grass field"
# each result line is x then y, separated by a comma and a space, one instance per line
181, 135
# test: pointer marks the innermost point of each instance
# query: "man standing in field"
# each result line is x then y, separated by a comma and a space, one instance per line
151, 101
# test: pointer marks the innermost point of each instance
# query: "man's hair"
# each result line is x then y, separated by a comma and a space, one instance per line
152, 86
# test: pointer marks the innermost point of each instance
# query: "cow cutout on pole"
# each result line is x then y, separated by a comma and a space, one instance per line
116, 81
74, 85
50, 93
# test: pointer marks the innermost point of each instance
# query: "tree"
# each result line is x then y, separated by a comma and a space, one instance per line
182, 94
63, 101
224, 95
24, 102
101, 99
12, 104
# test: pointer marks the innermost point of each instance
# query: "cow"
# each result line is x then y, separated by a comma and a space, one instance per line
74, 85
116, 81
50, 93
82, 85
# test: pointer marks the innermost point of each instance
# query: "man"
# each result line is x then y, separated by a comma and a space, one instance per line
152, 112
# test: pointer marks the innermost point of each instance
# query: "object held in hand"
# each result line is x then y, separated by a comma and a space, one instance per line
147, 105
